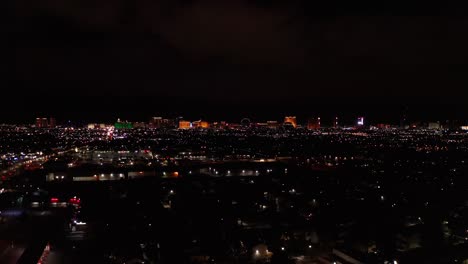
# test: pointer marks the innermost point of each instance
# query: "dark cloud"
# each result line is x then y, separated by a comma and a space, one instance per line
236, 31
237, 50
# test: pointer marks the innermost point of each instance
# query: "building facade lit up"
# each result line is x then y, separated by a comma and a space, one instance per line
291, 120
183, 124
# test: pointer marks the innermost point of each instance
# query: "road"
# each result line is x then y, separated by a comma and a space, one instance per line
15, 169
10, 253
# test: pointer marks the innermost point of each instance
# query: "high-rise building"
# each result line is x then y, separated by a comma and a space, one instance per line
200, 124
314, 123
156, 122
404, 120
222, 124
219, 125
183, 124
139, 125
434, 125
42, 122
383, 126
335, 123
159, 122
291, 120
52, 122
123, 124
360, 121
272, 124
170, 123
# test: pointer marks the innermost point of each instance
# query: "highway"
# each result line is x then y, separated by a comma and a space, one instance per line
22, 235
18, 167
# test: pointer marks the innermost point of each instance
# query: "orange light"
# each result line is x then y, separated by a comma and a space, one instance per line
184, 124
292, 120
204, 124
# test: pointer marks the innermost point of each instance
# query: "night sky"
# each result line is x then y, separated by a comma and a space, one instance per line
212, 58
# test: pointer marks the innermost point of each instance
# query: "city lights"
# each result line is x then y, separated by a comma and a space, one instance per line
243, 185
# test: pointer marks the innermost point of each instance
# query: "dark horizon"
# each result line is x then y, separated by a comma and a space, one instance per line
82, 109
228, 60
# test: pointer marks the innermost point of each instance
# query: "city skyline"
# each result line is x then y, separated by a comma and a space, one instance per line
233, 132
108, 109
311, 123
331, 195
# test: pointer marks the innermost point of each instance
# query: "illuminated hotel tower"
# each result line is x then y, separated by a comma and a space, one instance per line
52, 122
291, 120
42, 122
335, 122
183, 124
314, 123
360, 121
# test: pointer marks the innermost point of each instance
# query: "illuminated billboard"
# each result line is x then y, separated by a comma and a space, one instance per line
360, 121
123, 125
